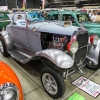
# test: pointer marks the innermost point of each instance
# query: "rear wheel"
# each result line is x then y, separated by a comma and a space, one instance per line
3, 49
53, 83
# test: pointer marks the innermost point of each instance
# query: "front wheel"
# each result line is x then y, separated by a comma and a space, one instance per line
53, 83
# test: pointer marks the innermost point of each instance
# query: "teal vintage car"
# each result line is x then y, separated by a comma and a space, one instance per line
36, 16
4, 20
77, 19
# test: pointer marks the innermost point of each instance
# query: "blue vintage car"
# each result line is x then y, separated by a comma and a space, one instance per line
36, 16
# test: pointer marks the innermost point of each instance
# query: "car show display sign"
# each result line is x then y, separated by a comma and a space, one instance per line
88, 86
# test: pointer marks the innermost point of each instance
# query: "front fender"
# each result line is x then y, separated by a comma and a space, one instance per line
94, 31
94, 52
7, 75
58, 57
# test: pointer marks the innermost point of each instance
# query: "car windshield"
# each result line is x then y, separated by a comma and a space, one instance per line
83, 18
36, 16
68, 17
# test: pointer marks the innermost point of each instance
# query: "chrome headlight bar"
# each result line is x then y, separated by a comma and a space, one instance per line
9, 91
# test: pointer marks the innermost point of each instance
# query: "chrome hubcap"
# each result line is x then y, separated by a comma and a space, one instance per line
49, 84
1, 47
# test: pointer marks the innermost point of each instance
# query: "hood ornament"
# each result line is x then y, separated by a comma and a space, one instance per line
82, 25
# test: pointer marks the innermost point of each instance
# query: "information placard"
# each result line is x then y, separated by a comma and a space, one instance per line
88, 86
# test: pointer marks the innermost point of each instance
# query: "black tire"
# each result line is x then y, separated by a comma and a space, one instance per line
4, 51
94, 67
59, 82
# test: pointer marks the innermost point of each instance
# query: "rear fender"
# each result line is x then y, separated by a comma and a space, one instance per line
58, 57
7, 39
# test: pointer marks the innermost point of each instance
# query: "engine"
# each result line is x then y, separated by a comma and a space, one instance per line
56, 41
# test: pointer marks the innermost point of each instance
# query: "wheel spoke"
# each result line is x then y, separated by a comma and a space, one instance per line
46, 80
54, 88
49, 78
48, 88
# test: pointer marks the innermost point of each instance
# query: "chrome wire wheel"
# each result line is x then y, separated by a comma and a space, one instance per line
1, 47
49, 84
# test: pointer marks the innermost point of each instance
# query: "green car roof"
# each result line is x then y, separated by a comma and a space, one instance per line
65, 11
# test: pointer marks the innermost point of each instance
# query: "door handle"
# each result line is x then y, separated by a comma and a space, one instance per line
15, 31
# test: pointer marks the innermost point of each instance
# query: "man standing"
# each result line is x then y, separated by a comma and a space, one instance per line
93, 17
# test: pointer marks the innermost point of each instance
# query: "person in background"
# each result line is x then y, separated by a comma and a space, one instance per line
19, 17
90, 13
93, 17
98, 17
98, 12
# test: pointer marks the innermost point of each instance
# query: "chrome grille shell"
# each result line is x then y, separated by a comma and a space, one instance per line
82, 37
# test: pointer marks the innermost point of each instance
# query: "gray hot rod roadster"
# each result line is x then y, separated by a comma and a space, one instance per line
62, 47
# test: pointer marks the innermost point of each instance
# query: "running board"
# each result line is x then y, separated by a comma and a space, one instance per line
19, 56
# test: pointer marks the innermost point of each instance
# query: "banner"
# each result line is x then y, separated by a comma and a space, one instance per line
3, 8
24, 4
43, 3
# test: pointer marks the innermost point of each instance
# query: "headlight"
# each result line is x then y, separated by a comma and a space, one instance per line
34, 29
94, 39
72, 47
9, 91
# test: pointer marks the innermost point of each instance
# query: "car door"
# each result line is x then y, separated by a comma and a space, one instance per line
19, 35
34, 40
18, 29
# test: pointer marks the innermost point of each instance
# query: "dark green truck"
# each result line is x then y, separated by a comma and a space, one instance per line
77, 19
4, 20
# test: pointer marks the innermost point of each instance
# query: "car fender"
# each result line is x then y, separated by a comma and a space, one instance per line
58, 57
94, 52
7, 39
7, 75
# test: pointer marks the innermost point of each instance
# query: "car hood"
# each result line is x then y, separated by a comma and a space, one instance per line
53, 27
91, 25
